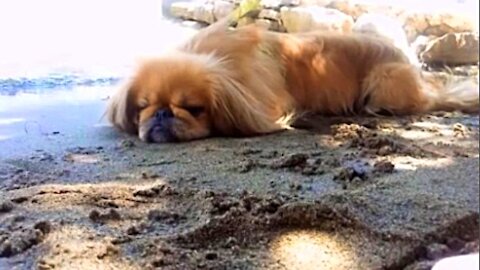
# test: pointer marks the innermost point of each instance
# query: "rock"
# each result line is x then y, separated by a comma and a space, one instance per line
437, 251
44, 264
291, 161
269, 14
357, 8
384, 166
20, 241
96, 216
160, 262
452, 49
108, 251
350, 173
436, 24
420, 43
6, 206
455, 243
159, 190
269, 24
386, 27
320, 3
167, 7
133, 230
204, 13
163, 216
44, 226
183, 10
222, 8
278, 3
247, 166
470, 247
307, 18
127, 144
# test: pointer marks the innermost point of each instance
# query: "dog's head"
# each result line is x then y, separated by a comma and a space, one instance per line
184, 97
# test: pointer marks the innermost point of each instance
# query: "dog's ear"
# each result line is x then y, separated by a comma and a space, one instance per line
122, 110
237, 112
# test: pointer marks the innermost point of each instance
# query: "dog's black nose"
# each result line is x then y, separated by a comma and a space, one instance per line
163, 114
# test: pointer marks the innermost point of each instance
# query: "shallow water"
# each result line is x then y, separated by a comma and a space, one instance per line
60, 60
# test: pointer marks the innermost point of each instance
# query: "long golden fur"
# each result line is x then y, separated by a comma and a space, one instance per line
249, 81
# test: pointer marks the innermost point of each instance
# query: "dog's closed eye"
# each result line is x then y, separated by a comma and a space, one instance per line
195, 111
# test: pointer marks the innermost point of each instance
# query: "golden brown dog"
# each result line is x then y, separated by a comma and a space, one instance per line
248, 81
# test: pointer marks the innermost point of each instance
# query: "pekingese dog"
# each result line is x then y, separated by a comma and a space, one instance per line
249, 81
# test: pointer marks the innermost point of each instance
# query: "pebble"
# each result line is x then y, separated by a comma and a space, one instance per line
6, 206
436, 251
291, 161
44, 226
384, 167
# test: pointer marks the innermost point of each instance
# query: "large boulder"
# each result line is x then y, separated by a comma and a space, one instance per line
452, 49
222, 8
420, 43
358, 8
204, 13
183, 10
201, 11
307, 18
437, 24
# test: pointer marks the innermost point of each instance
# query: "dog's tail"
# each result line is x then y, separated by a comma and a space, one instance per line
455, 95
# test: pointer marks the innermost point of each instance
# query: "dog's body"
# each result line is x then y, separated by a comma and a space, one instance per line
245, 81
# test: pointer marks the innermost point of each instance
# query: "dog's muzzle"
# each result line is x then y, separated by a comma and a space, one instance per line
159, 128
